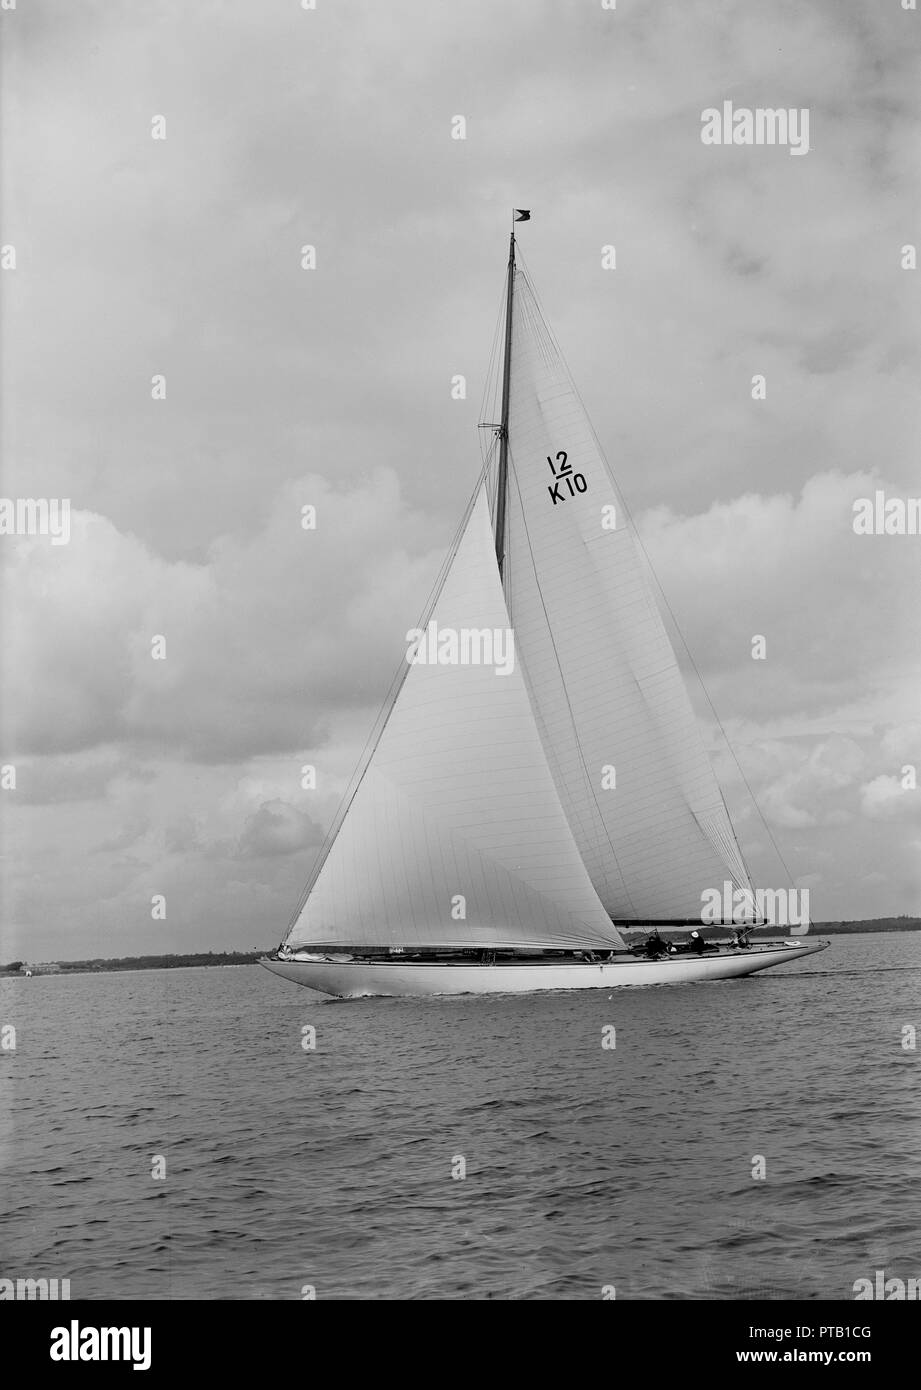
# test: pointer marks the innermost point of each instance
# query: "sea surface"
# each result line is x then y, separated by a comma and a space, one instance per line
585, 1166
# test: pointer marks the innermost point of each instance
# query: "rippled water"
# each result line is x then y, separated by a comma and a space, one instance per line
585, 1166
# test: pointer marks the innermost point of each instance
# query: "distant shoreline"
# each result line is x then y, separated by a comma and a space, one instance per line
200, 958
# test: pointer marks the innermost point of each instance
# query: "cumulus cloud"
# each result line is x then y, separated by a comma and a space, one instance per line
803, 785
279, 828
789, 569
888, 799
903, 743
46, 779
262, 642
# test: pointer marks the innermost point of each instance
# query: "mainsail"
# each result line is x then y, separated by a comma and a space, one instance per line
455, 835
615, 720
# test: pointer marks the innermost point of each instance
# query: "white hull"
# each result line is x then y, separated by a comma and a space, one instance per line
352, 979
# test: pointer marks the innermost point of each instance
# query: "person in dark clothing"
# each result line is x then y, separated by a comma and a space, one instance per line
696, 943
654, 946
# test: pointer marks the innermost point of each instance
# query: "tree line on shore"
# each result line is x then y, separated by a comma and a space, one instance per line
180, 962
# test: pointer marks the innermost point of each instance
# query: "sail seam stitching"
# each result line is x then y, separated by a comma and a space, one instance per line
556, 655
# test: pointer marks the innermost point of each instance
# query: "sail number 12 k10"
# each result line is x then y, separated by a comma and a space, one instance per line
563, 474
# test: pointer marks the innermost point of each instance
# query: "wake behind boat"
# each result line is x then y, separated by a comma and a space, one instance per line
537, 779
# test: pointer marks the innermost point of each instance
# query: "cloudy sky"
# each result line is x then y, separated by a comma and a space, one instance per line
181, 257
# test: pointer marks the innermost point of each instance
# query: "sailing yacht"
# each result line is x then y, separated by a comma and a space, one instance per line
512, 818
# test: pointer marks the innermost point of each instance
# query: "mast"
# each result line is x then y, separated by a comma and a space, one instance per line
502, 483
